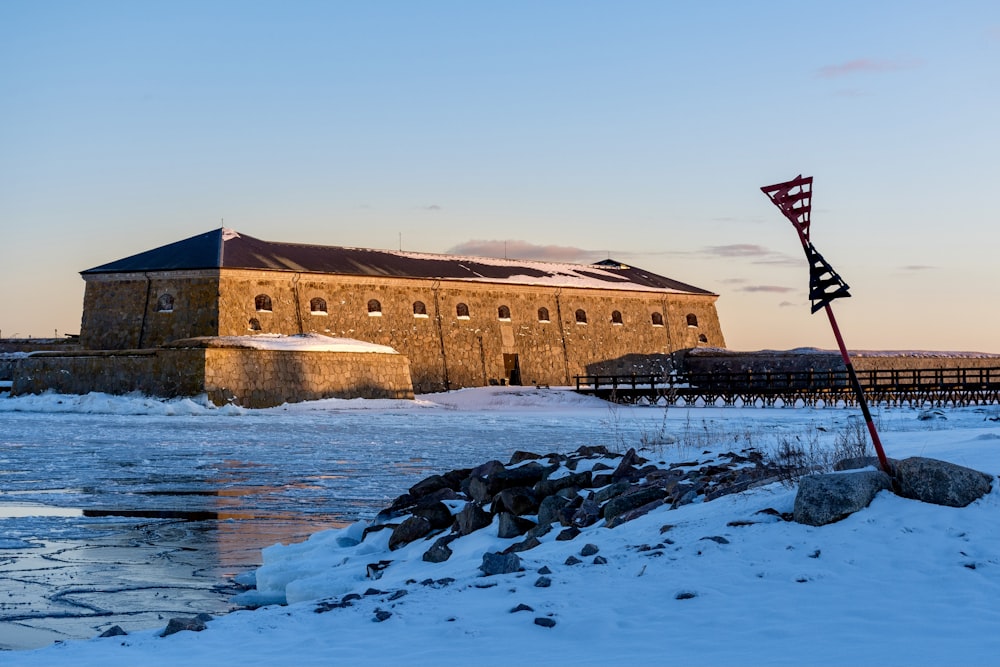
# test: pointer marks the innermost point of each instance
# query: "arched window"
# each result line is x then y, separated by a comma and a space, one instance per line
702, 338
462, 310
374, 308
543, 314
657, 319
317, 306
419, 309
165, 303
503, 313
616, 317
254, 324
581, 316
692, 320
262, 303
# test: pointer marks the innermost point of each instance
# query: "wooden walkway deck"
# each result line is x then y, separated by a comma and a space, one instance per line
935, 387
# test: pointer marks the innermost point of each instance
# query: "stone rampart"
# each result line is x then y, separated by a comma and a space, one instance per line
812, 359
247, 377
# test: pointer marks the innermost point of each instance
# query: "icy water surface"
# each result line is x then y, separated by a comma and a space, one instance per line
131, 519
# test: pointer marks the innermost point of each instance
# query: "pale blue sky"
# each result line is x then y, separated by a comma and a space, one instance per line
642, 130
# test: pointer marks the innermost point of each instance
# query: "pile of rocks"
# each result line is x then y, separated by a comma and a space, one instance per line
534, 494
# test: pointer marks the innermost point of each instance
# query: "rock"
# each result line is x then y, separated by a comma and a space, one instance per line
523, 475
627, 466
513, 526
631, 500
382, 615
437, 513
859, 462
181, 623
539, 530
589, 550
402, 592
547, 487
611, 491
685, 595
545, 622
567, 534
412, 529
940, 482
587, 514
521, 456
518, 500
592, 451
573, 560
374, 570
548, 509
428, 485
544, 570
440, 551
521, 607
718, 539
600, 560
471, 518
633, 513
823, 499
525, 545
543, 582
500, 563
114, 631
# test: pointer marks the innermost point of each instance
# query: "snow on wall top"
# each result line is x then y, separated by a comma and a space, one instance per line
311, 342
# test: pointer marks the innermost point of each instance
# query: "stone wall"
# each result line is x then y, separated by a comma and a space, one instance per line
123, 311
446, 351
251, 378
806, 359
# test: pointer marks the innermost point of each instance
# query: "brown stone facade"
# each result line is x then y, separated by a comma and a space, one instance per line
247, 377
505, 335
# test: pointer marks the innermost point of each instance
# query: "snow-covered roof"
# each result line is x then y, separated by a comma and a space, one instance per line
226, 248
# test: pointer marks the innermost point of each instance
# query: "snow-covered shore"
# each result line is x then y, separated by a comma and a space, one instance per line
901, 583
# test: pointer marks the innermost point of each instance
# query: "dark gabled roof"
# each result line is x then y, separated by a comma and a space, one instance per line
225, 248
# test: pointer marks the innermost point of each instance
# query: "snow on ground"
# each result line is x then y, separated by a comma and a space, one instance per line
900, 583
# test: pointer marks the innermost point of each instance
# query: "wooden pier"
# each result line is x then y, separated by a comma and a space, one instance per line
934, 387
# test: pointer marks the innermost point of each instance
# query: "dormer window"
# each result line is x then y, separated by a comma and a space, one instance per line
374, 308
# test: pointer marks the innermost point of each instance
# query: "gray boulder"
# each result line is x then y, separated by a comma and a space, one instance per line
548, 510
500, 563
940, 482
823, 499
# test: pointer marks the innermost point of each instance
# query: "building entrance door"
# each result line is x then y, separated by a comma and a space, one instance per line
512, 369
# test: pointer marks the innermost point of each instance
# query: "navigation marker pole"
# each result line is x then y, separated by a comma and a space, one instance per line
794, 199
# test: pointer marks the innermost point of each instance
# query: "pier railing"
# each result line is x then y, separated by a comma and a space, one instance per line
919, 386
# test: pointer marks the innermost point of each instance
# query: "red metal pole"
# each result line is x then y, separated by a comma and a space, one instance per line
862, 401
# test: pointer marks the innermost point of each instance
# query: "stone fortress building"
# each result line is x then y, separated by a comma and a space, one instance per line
456, 321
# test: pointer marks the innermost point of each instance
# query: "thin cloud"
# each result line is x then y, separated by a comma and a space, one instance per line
734, 281
524, 250
786, 304
738, 250
757, 254
774, 289
864, 66
431, 207
918, 267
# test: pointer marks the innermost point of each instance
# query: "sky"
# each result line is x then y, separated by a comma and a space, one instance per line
576, 131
